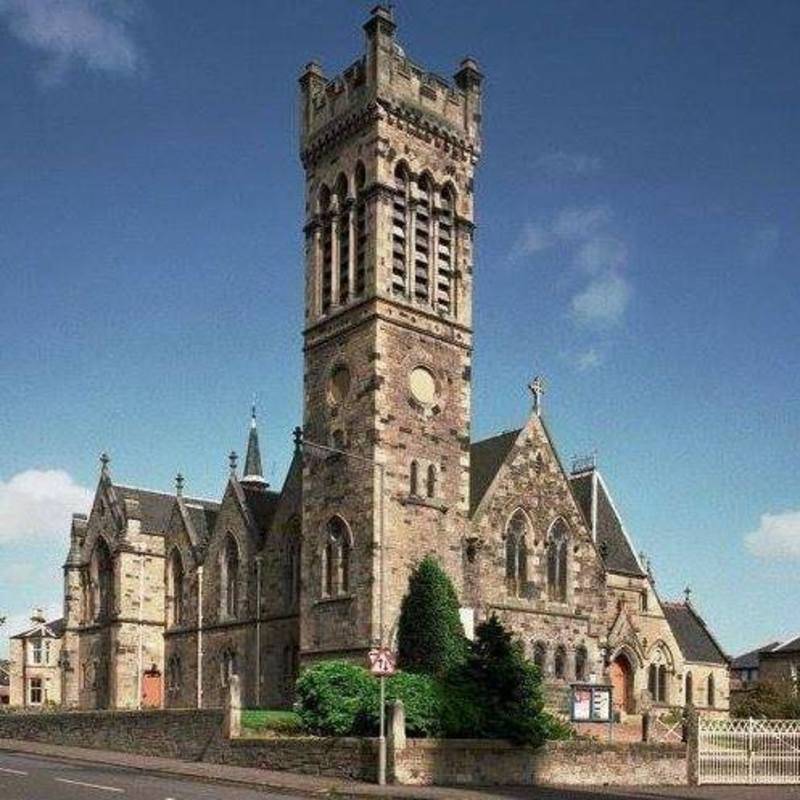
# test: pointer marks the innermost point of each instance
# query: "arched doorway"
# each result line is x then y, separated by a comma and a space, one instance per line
621, 674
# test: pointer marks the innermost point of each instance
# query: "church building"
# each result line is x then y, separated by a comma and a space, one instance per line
168, 595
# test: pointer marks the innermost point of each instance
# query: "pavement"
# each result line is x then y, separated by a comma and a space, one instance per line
34, 771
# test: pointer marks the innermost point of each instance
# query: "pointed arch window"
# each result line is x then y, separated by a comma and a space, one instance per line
516, 552
557, 545
711, 691
413, 481
422, 240
176, 588
229, 574
343, 237
228, 666
445, 251
560, 663
581, 661
102, 580
400, 230
430, 483
689, 689
326, 250
336, 558
361, 230
652, 681
540, 656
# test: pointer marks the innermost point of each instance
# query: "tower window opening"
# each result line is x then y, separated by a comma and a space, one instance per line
343, 223
360, 232
444, 256
430, 484
413, 483
422, 241
400, 231
326, 254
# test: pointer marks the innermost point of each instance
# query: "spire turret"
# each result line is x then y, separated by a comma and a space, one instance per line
253, 471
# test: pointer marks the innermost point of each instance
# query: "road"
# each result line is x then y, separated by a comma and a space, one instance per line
29, 777
24, 777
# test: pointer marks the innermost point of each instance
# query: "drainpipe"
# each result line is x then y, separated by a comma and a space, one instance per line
200, 636
139, 676
258, 632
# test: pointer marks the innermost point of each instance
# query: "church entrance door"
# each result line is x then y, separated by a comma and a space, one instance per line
151, 689
621, 674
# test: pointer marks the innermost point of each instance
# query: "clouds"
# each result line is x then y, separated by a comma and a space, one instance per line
95, 34
560, 164
777, 536
603, 301
38, 505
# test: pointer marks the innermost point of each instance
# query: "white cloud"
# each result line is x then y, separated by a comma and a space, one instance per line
603, 302
532, 239
93, 33
38, 504
560, 164
602, 253
589, 359
576, 224
777, 536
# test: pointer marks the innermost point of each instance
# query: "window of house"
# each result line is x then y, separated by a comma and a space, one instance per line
336, 558
176, 588
560, 663
430, 483
581, 659
516, 552
35, 691
445, 252
557, 545
36, 651
229, 574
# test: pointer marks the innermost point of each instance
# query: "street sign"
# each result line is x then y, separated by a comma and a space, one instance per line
381, 662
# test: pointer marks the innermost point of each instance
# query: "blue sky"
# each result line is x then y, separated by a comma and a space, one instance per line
638, 245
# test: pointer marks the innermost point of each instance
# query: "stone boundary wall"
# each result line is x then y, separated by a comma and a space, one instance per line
193, 735
579, 762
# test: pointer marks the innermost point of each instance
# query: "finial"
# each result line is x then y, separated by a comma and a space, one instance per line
253, 412
104, 462
232, 459
687, 593
537, 389
297, 434
179, 485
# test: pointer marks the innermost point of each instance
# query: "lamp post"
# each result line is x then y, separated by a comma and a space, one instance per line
301, 442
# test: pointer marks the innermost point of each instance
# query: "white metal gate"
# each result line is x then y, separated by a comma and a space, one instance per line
748, 750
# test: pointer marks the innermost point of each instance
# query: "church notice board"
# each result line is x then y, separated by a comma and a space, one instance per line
591, 702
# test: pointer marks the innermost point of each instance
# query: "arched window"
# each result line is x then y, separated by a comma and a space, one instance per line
711, 691
336, 559
229, 573
581, 659
175, 588
662, 684
413, 487
343, 233
430, 484
422, 240
560, 663
652, 682
102, 578
293, 563
361, 230
444, 256
540, 656
689, 689
557, 545
174, 676
400, 231
326, 254
227, 667
516, 552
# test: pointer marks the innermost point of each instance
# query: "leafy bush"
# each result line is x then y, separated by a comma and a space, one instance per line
767, 700
423, 699
430, 636
334, 698
260, 721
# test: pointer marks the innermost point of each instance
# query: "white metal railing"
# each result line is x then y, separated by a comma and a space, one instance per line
748, 751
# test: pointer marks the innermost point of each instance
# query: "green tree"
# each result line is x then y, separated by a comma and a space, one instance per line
430, 636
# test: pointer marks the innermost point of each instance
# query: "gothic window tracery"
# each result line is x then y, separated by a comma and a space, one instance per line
336, 558
516, 552
557, 547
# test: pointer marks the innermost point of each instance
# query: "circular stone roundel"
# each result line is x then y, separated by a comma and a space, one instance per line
339, 384
422, 385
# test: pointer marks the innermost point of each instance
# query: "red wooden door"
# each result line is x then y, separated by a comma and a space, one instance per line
151, 689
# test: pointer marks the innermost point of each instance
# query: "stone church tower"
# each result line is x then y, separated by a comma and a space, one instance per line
389, 150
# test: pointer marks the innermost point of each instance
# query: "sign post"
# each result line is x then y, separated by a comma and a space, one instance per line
591, 702
381, 664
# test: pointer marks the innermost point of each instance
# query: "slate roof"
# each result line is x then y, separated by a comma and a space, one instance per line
203, 517
156, 507
613, 544
262, 504
486, 458
692, 634
750, 659
792, 646
56, 628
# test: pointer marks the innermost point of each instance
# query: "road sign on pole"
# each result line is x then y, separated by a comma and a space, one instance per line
381, 662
